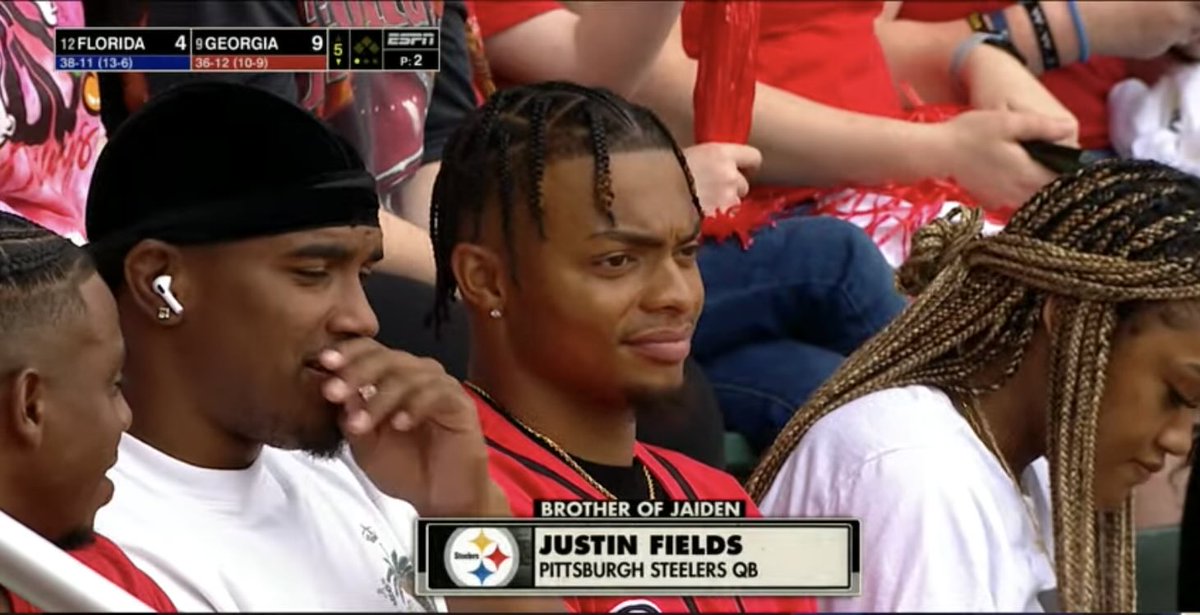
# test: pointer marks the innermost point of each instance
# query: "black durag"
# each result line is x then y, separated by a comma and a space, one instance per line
214, 162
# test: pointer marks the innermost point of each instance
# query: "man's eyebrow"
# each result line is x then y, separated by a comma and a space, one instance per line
326, 251
331, 252
642, 239
633, 238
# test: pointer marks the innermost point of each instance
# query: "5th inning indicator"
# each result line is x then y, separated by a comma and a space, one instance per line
247, 49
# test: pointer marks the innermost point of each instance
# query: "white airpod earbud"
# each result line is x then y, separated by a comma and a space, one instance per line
162, 286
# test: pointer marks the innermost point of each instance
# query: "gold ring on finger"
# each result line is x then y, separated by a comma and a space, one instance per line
367, 391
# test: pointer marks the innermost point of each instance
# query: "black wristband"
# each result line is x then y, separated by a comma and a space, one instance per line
1003, 43
1041, 30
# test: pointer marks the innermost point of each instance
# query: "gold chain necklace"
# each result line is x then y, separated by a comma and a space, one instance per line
562, 454
983, 429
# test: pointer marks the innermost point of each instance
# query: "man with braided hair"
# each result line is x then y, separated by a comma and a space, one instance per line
63, 412
567, 220
1068, 345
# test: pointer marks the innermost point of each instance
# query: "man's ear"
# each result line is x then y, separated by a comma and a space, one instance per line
480, 274
145, 262
24, 407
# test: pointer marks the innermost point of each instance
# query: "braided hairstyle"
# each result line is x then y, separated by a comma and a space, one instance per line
40, 274
1100, 241
500, 155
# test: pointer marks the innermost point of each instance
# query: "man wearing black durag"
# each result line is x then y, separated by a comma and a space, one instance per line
278, 455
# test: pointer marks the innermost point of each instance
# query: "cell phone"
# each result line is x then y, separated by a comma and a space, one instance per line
1058, 158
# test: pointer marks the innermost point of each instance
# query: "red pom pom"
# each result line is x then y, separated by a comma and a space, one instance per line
724, 93
724, 106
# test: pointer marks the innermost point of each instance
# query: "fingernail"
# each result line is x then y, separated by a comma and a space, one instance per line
336, 389
360, 421
330, 359
401, 421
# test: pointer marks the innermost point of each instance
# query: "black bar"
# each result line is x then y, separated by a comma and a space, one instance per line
122, 41
412, 38
259, 41
339, 49
412, 60
366, 49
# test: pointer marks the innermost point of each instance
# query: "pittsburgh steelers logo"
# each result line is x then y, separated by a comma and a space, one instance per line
636, 606
481, 557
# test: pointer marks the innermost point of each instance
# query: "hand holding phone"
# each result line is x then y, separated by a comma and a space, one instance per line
1058, 158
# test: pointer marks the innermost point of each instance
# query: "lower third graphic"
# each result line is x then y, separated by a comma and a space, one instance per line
481, 557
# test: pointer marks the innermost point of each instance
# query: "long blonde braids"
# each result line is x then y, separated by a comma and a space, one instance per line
1097, 241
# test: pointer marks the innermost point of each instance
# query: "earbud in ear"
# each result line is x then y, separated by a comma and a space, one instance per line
162, 287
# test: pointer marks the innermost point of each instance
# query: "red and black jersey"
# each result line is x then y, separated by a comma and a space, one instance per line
528, 471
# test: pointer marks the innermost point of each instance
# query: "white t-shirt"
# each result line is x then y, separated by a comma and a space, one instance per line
943, 526
289, 533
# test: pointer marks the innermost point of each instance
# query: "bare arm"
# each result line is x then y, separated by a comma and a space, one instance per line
407, 250
920, 52
805, 143
416, 195
609, 44
802, 142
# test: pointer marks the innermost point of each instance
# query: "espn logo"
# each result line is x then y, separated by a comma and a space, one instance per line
411, 38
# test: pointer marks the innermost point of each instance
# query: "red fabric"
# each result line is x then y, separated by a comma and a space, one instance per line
791, 51
106, 558
726, 75
1082, 87
496, 16
735, 39
480, 72
509, 452
797, 41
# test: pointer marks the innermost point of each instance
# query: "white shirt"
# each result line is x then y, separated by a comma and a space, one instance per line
944, 528
289, 533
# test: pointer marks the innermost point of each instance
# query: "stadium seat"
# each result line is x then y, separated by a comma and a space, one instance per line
1157, 569
740, 457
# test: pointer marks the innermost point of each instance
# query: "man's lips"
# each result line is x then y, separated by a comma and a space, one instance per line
316, 366
1152, 467
669, 346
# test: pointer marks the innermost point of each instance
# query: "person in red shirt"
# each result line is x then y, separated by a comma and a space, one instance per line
61, 354
826, 108
567, 220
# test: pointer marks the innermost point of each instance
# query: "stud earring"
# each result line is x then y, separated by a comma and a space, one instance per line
164, 313
495, 313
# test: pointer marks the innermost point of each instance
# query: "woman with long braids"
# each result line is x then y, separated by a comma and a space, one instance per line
1071, 337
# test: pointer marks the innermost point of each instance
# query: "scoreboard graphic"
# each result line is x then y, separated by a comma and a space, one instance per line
246, 49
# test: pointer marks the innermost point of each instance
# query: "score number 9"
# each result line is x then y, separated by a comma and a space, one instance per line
318, 42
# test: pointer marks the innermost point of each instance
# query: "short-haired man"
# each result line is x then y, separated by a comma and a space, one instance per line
235, 228
61, 408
